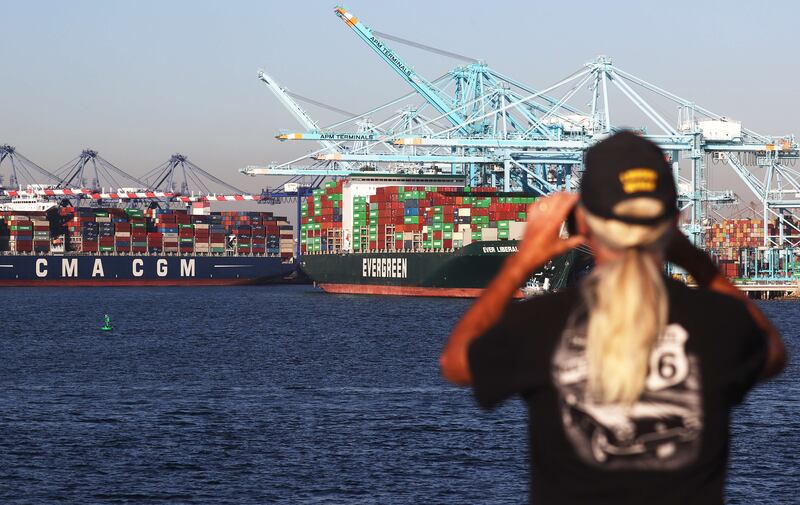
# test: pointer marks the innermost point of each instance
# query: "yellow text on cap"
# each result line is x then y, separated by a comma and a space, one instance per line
637, 180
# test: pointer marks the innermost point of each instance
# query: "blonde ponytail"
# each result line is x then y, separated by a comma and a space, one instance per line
627, 308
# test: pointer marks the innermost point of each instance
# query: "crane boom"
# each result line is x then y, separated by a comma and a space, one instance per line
301, 115
403, 69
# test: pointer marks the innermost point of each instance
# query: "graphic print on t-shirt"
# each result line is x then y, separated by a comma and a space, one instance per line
660, 431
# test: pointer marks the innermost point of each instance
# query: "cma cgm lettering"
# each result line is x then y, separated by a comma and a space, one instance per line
71, 270
70, 267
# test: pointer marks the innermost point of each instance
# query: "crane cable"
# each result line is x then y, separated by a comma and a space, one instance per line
424, 47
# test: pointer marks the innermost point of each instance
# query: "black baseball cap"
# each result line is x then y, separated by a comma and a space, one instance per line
622, 167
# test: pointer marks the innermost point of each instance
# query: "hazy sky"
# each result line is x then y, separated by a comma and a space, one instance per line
141, 80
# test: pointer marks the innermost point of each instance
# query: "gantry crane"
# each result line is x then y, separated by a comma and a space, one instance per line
503, 132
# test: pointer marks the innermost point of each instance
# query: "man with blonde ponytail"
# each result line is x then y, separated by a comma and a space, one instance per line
629, 376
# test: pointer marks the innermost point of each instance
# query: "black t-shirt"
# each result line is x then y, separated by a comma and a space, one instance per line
671, 446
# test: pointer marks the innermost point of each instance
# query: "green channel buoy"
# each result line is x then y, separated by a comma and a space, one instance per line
106, 324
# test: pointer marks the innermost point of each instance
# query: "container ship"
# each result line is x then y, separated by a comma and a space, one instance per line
42, 244
416, 236
738, 247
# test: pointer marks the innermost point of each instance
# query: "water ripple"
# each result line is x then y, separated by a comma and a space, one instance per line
282, 395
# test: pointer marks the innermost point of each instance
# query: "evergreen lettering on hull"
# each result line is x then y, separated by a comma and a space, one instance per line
394, 268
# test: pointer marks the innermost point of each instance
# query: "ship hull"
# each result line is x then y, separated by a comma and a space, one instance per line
463, 273
144, 270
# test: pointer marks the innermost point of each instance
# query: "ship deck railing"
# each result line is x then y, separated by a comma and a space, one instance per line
108, 253
384, 251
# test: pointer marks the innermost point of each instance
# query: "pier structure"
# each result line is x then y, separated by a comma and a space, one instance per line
90, 179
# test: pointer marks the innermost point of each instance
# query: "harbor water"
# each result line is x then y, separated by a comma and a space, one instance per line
283, 394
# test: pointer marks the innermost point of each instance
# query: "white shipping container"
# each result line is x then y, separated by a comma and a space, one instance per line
489, 234
516, 230
464, 212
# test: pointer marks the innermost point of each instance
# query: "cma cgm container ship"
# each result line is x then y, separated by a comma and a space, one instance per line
45, 245
416, 236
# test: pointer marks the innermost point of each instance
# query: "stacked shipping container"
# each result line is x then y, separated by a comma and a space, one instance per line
411, 218
321, 219
736, 234
115, 230
21, 234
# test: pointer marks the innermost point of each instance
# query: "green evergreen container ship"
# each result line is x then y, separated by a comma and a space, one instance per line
416, 236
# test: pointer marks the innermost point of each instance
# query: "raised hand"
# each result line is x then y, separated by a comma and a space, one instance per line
542, 240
